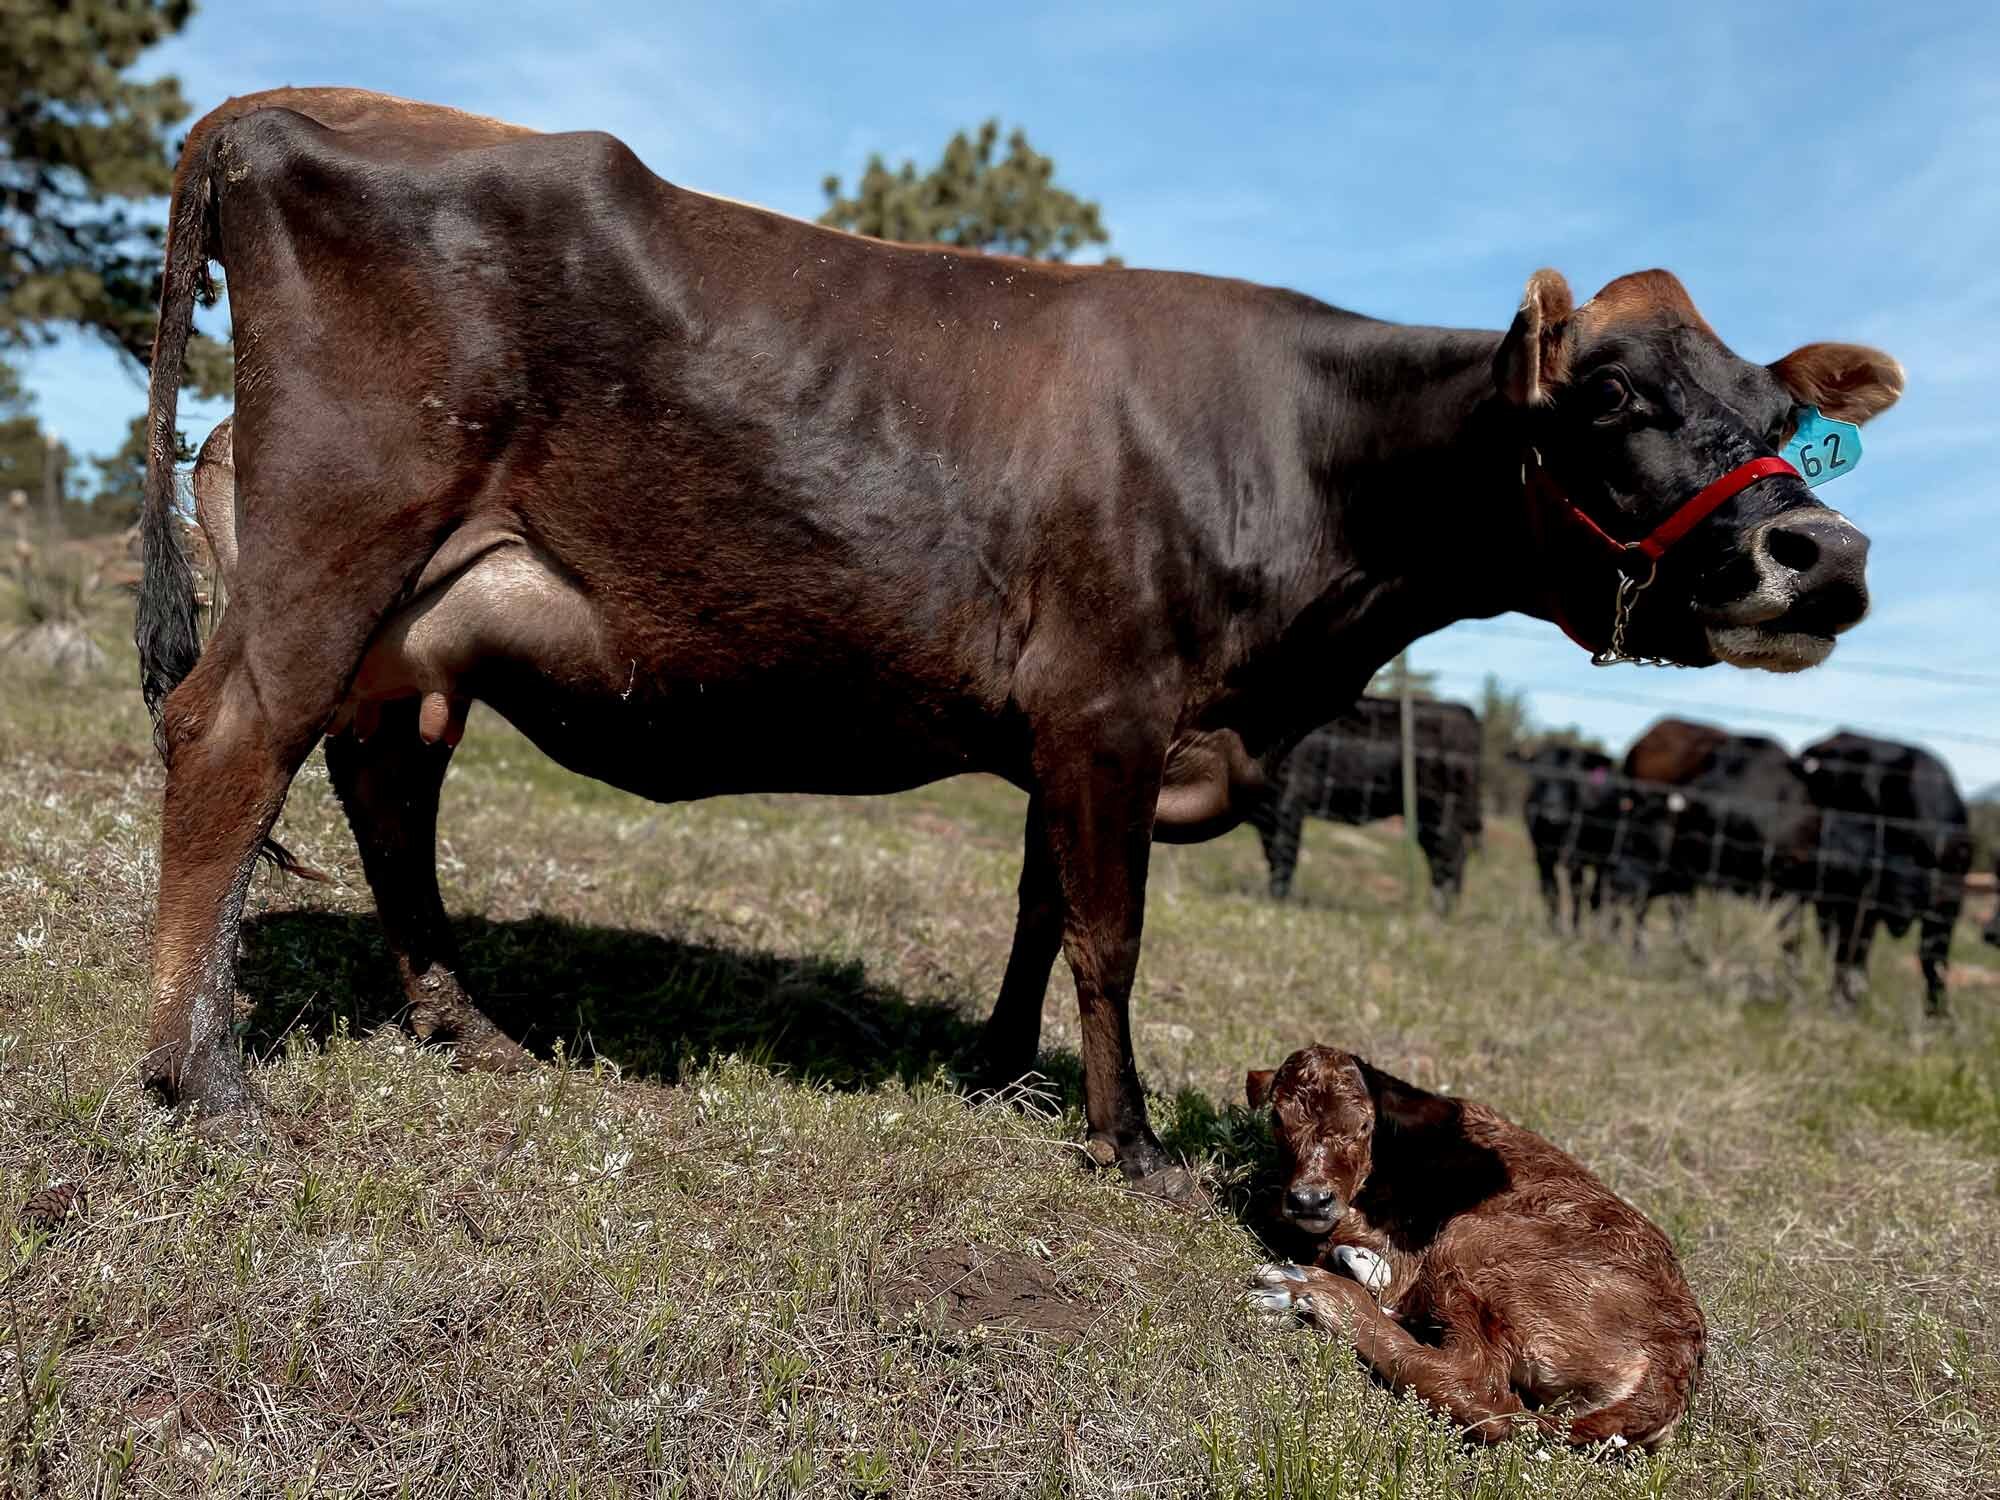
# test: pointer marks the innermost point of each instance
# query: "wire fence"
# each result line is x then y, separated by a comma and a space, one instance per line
1667, 704
1763, 840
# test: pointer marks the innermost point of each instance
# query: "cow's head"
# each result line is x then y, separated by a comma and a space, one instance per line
1634, 407
1326, 1107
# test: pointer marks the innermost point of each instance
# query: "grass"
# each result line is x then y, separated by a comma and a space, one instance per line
745, 1234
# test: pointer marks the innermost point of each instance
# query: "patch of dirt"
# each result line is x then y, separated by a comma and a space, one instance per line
963, 1287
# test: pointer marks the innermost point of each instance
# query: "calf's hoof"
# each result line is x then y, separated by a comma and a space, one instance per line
1276, 1291
1361, 1264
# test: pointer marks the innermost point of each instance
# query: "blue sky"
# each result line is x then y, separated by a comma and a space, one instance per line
1809, 172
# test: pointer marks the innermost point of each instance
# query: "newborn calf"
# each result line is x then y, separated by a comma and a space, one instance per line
1473, 1262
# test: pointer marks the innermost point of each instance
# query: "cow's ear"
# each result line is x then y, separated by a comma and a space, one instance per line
1848, 382
1530, 362
1257, 1086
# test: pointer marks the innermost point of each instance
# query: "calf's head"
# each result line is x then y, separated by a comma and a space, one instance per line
1326, 1109
1633, 406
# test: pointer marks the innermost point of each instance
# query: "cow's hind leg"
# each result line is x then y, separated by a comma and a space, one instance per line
1280, 822
1014, 1031
1463, 1379
389, 785
234, 739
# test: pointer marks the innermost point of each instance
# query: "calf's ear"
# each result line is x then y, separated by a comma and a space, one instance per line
1848, 382
1530, 362
1257, 1086
1410, 1108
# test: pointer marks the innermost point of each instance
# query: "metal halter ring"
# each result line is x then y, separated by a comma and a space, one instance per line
1630, 587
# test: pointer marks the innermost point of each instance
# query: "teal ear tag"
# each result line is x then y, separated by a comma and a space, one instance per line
1822, 448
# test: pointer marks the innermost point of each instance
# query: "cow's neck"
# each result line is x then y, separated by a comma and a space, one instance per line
1421, 478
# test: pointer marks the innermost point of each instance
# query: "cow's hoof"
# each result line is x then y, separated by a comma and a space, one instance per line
496, 1055
209, 1086
1002, 1075
478, 1045
238, 1130
1171, 1184
1146, 1168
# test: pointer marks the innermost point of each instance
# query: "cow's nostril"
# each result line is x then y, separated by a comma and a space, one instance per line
1794, 550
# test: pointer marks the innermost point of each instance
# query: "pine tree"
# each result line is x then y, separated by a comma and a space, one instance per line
83, 149
970, 200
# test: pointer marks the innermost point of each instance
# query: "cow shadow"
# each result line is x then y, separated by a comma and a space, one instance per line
656, 1006
660, 1007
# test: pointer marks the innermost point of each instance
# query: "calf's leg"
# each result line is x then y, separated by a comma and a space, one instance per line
1465, 1379
389, 785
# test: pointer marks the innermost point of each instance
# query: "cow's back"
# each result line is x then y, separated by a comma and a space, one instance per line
1897, 835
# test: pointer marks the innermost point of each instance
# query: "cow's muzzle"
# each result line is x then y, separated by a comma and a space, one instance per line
1811, 585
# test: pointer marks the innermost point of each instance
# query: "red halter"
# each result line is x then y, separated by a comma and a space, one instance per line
1539, 487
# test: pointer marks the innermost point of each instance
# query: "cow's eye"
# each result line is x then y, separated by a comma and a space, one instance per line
1608, 394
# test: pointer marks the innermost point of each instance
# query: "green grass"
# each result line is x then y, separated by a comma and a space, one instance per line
697, 1253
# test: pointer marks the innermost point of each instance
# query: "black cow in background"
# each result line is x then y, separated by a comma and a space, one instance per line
1895, 848
1738, 817
1992, 932
1573, 816
1351, 771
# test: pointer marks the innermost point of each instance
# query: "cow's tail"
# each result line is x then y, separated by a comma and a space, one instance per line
166, 628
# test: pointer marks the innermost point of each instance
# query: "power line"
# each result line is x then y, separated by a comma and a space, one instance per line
1839, 663
1712, 710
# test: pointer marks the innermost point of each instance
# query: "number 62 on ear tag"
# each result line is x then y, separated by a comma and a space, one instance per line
1822, 448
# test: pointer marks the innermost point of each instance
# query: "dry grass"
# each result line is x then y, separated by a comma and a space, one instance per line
701, 1252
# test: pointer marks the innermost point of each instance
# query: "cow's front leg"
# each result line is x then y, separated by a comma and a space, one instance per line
1099, 806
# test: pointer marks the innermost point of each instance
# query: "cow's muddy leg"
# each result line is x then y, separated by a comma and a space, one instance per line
1014, 1030
234, 740
389, 785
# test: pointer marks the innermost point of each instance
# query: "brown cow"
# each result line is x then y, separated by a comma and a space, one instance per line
663, 478
1475, 1263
